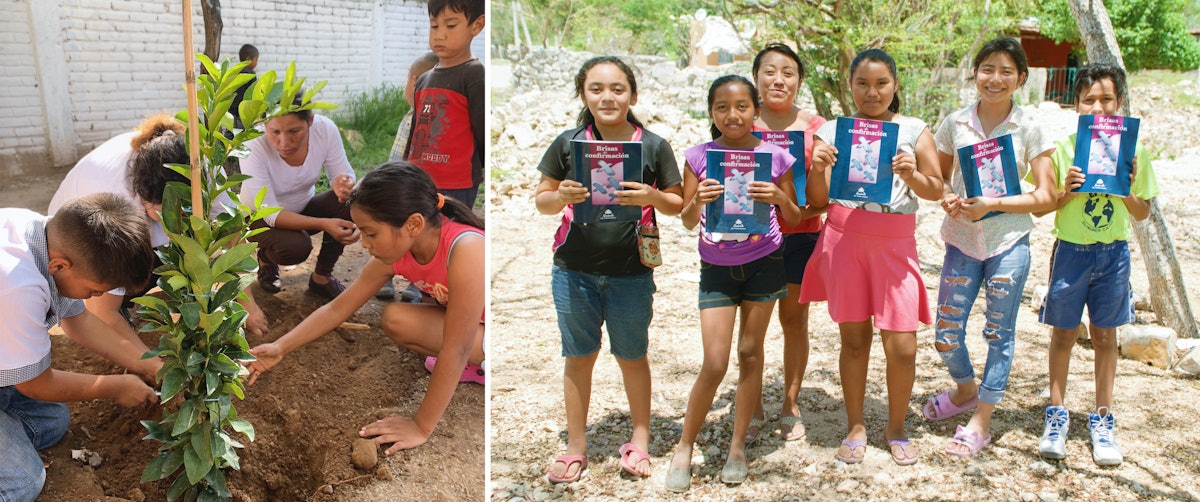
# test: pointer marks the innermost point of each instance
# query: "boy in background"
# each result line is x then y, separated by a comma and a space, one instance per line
447, 135
47, 266
246, 53
1090, 266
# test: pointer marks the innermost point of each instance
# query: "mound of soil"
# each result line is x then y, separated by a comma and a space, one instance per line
306, 413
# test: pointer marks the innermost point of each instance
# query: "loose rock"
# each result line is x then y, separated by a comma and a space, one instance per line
364, 453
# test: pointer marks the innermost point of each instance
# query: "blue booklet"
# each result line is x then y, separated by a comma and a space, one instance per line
735, 211
793, 142
863, 172
600, 166
989, 169
1104, 150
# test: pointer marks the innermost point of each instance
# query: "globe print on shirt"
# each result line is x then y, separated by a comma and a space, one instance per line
1098, 212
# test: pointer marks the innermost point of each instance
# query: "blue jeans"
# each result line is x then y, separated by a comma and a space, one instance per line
962, 276
26, 426
624, 304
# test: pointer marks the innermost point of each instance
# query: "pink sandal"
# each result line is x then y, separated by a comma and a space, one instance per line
569, 460
966, 437
630, 456
471, 373
903, 444
941, 407
852, 445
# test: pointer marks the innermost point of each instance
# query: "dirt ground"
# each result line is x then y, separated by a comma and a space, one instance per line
1155, 410
306, 411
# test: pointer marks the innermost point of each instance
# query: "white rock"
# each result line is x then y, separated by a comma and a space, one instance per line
882, 478
1189, 364
1154, 345
1048, 497
848, 486
1028, 497
974, 471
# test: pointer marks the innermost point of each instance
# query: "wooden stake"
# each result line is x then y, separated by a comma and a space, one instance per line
189, 60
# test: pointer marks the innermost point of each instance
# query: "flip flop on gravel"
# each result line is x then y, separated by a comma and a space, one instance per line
631, 456
795, 428
903, 458
756, 426
853, 445
969, 438
568, 460
941, 407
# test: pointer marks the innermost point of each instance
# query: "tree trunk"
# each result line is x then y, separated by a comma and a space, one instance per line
212, 29
1168, 295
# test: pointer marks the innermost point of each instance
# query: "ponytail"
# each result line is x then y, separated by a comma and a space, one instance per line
396, 190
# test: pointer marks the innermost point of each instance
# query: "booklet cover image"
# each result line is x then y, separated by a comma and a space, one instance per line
600, 166
735, 211
793, 142
989, 169
1104, 150
863, 172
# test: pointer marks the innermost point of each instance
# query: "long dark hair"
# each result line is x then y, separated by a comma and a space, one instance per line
782, 49
879, 56
396, 190
722, 82
1007, 45
585, 115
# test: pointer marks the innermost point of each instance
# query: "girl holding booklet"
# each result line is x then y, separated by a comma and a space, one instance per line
1090, 266
737, 270
778, 73
865, 264
989, 253
598, 276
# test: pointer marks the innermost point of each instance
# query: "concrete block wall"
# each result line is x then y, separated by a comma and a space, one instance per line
81, 71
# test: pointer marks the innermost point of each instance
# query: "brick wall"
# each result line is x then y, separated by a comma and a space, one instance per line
114, 61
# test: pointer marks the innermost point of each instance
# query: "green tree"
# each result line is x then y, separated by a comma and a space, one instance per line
206, 266
1151, 33
928, 39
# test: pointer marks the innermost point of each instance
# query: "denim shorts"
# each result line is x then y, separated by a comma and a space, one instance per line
797, 248
761, 280
624, 304
1096, 275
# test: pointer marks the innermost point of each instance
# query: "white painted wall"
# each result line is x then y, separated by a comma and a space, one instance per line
78, 72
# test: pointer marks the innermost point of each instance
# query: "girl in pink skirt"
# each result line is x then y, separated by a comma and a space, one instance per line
866, 265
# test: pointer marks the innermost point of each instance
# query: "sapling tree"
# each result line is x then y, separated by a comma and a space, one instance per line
205, 268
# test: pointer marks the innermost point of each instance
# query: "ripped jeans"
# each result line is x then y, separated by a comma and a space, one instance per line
1004, 276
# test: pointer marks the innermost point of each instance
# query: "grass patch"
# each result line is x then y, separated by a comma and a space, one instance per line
368, 121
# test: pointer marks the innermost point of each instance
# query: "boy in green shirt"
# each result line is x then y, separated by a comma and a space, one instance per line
1090, 266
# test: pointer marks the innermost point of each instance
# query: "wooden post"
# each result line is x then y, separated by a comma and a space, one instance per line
1168, 294
189, 75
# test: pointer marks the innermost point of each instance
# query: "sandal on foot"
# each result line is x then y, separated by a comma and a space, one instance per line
679, 480
471, 372
853, 445
941, 407
969, 438
903, 444
331, 289
793, 424
568, 460
734, 472
631, 455
756, 426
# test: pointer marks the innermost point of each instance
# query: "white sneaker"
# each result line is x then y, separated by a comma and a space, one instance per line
1104, 446
1054, 437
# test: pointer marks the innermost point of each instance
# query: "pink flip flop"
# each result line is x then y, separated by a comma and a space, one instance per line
471, 373
852, 445
568, 460
903, 444
941, 407
966, 437
630, 456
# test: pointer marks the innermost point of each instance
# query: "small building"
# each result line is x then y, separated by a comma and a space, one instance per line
1055, 57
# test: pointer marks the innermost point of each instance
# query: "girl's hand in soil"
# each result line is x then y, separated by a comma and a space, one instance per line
402, 431
268, 355
130, 391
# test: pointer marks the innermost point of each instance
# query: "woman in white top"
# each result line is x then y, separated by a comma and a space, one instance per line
287, 161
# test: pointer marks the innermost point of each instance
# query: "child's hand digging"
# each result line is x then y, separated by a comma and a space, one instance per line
402, 431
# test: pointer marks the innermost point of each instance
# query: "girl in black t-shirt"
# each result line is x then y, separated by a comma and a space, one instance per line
597, 277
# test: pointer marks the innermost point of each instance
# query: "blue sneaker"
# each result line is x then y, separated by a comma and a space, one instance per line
1054, 437
1104, 446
